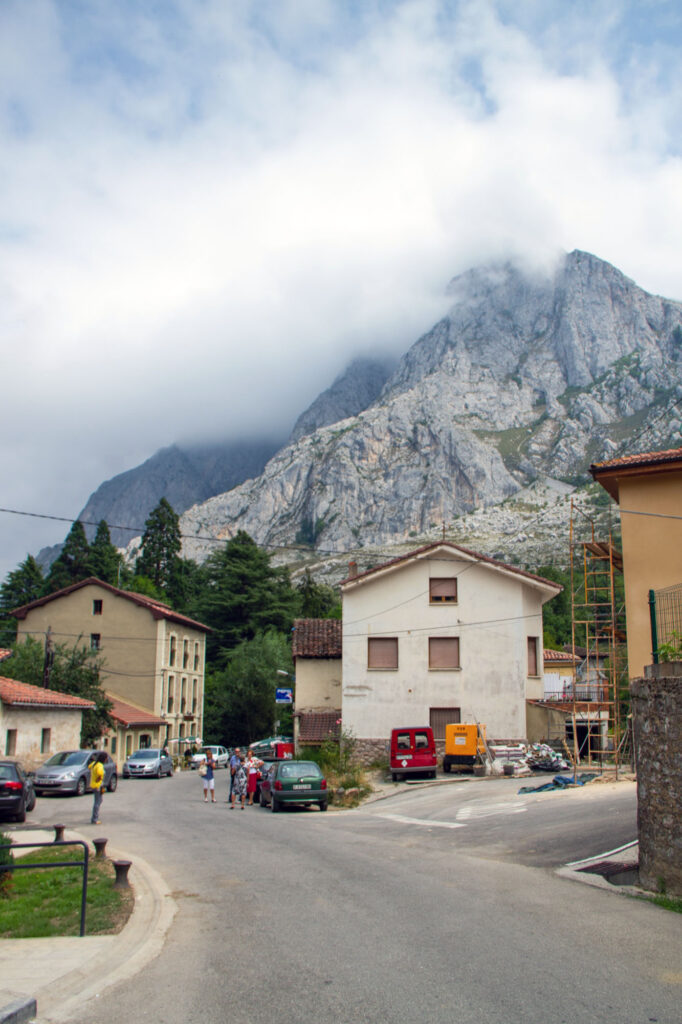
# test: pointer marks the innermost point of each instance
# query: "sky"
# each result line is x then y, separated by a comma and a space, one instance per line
208, 207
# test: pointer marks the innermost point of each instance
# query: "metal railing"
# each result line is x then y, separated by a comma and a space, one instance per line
83, 864
665, 613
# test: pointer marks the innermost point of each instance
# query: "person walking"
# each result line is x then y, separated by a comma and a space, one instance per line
96, 766
207, 777
239, 784
234, 761
251, 766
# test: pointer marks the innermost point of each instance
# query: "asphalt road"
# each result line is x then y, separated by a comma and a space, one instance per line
437, 905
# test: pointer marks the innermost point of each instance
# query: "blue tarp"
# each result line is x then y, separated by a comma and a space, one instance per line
561, 782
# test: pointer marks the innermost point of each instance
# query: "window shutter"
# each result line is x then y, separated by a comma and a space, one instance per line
382, 652
443, 652
443, 588
532, 656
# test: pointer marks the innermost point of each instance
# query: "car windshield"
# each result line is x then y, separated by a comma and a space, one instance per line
299, 770
8, 771
68, 757
148, 754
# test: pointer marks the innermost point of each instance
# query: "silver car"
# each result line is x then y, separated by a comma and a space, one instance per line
149, 762
68, 771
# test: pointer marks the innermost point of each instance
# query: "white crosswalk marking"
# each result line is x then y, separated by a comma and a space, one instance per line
403, 819
473, 812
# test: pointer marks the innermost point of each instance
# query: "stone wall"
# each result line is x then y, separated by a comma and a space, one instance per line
657, 722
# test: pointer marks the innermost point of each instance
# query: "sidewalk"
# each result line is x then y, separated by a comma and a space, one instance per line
59, 974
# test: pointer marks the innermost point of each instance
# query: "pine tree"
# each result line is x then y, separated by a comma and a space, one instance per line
23, 585
243, 594
73, 562
161, 545
105, 558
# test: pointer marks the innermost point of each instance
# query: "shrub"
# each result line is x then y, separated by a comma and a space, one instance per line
6, 857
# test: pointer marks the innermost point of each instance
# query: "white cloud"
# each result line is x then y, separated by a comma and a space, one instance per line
206, 213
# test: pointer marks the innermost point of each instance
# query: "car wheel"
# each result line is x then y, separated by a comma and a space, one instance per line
274, 805
446, 767
21, 815
113, 783
323, 805
433, 774
32, 804
394, 777
261, 799
80, 787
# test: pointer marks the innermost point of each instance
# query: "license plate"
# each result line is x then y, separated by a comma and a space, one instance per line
303, 785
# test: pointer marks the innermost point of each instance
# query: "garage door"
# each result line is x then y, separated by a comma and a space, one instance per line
440, 717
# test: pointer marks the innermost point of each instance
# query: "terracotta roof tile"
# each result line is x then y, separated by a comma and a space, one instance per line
485, 559
317, 638
562, 656
642, 459
157, 609
14, 692
129, 715
318, 726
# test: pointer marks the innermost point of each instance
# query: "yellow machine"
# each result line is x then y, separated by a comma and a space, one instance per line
463, 743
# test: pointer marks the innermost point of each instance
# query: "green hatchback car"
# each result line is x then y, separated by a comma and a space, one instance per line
293, 782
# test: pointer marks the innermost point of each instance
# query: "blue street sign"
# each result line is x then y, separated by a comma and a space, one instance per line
284, 696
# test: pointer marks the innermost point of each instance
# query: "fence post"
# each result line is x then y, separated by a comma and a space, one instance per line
654, 630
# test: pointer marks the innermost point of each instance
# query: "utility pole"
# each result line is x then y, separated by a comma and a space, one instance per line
49, 657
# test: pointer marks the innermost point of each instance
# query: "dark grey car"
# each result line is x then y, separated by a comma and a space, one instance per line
150, 762
16, 791
68, 771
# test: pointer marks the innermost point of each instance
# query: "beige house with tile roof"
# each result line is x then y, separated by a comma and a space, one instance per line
442, 634
648, 489
35, 722
153, 657
316, 650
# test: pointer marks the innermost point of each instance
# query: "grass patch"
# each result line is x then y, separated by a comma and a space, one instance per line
673, 903
47, 901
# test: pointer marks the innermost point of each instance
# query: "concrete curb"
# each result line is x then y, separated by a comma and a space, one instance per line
575, 871
102, 960
17, 1012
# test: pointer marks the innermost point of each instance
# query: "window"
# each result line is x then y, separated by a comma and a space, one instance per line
194, 696
382, 652
183, 694
11, 742
532, 656
113, 744
171, 651
442, 588
171, 693
45, 737
440, 717
145, 741
97, 607
95, 641
129, 744
185, 653
196, 656
443, 652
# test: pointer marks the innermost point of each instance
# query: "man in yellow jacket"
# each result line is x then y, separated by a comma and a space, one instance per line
97, 786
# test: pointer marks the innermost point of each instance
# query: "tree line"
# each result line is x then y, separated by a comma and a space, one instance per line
248, 603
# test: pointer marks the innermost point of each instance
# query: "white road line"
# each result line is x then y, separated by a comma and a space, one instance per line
404, 820
473, 812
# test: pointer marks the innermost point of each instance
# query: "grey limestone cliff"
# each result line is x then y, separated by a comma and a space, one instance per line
526, 375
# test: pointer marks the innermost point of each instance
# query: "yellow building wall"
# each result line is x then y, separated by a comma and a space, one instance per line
135, 650
652, 553
318, 684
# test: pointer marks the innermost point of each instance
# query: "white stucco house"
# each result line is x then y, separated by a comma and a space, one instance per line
35, 722
441, 634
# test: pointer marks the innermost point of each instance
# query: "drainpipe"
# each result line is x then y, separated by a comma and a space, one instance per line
654, 629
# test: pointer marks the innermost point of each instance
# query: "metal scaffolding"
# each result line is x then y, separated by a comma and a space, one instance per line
598, 644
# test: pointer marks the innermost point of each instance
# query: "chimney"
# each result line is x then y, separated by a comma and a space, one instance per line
352, 570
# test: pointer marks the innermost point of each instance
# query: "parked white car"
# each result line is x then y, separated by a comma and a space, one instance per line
221, 756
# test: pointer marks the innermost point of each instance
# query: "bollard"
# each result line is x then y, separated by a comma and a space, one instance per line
59, 833
121, 867
99, 845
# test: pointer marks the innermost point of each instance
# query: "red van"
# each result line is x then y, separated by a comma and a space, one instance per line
413, 750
